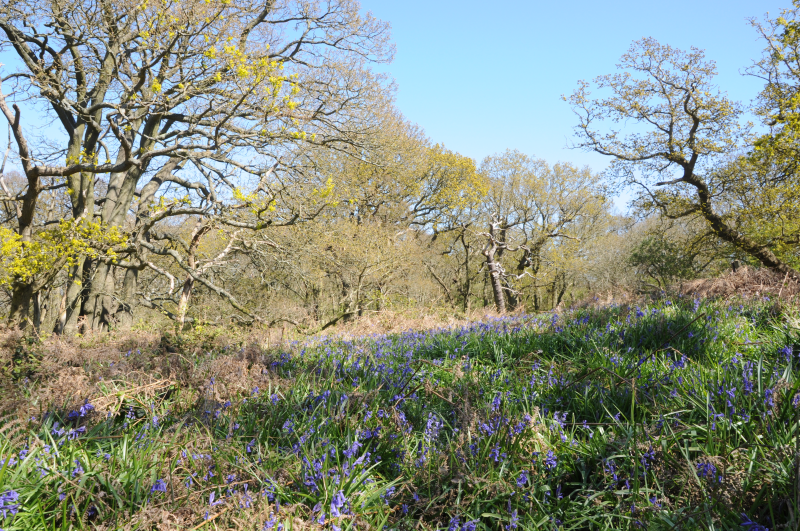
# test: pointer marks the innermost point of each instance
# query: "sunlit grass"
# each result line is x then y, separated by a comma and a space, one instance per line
674, 415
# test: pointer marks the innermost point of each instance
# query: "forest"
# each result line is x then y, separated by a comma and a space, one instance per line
222, 163
185, 180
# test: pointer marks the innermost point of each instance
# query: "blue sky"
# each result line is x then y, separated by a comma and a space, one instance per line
482, 77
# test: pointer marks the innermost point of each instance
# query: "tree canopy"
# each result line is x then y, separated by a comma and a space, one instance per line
682, 143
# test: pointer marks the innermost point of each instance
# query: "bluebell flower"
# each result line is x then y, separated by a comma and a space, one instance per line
648, 458
388, 494
769, 399
337, 503
78, 468
751, 525
496, 402
787, 352
550, 461
709, 471
74, 434
8, 503
211, 501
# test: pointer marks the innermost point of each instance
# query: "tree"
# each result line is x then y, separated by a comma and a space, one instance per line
684, 151
664, 251
171, 109
771, 167
530, 206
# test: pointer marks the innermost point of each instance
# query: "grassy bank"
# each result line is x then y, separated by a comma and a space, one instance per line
679, 414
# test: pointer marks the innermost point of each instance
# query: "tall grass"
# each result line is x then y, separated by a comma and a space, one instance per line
675, 415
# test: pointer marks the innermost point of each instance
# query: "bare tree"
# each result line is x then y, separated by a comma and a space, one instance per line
531, 205
683, 152
179, 109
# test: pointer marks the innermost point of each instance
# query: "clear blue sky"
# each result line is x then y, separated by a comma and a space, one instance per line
481, 77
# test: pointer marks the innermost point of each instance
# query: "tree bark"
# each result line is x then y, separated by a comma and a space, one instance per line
125, 310
495, 275
21, 301
726, 233
467, 279
183, 303
67, 322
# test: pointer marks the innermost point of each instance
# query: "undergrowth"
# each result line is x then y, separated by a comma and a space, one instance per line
675, 415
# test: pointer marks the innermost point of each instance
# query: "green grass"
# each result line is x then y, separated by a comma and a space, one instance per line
676, 415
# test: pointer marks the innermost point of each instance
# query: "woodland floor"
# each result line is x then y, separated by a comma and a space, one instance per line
678, 413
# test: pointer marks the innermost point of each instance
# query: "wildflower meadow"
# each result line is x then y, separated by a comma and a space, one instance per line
674, 414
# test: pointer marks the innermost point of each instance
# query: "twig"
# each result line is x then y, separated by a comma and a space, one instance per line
207, 520
783, 284
443, 398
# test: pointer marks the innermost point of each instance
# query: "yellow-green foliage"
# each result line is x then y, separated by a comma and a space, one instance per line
452, 179
54, 248
767, 181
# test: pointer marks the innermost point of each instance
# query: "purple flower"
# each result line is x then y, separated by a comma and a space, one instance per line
709, 471
787, 352
351, 452
78, 469
337, 503
8, 503
432, 427
269, 524
751, 525
550, 461
769, 399
74, 434
496, 402
211, 501
496, 454
159, 486
82, 411
654, 501
522, 479
388, 494
648, 458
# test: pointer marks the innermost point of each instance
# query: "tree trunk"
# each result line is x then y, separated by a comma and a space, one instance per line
467, 278
99, 307
186, 294
125, 310
726, 233
121, 188
67, 322
37, 311
21, 301
492, 252
495, 278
